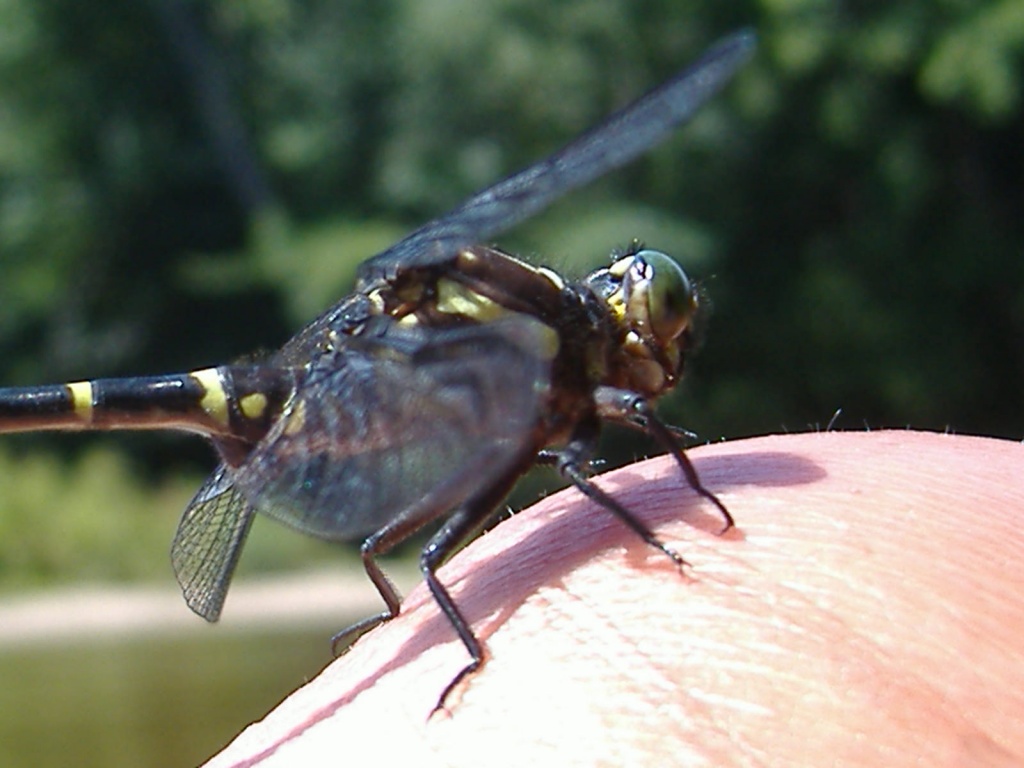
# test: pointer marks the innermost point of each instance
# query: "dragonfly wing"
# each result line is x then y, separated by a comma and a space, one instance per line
209, 541
403, 424
616, 141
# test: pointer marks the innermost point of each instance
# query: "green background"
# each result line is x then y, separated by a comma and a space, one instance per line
183, 182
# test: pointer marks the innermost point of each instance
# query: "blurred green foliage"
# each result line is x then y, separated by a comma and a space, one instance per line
91, 520
94, 519
184, 182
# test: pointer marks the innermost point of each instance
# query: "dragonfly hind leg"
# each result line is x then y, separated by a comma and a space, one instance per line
460, 527
374, 545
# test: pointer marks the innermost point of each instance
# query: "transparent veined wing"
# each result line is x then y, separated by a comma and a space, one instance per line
617, 140
208, 543
402, 424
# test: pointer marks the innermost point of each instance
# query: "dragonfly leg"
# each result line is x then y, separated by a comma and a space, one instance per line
443, 543
572, 460
462, 526
632, 410
374, 545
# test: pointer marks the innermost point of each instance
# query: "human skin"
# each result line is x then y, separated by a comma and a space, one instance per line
865, 611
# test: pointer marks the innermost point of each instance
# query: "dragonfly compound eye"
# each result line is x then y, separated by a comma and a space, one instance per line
660, 299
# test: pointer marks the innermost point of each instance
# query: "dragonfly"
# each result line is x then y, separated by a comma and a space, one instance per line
423, 396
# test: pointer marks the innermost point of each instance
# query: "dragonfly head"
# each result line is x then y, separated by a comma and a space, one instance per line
654, 303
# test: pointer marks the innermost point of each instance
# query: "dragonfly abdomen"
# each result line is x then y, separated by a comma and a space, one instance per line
229, 401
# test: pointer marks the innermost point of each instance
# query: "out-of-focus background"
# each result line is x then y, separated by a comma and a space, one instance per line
182, 183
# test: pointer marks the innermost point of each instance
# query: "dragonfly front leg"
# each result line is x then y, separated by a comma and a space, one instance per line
572, 462
631, 410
